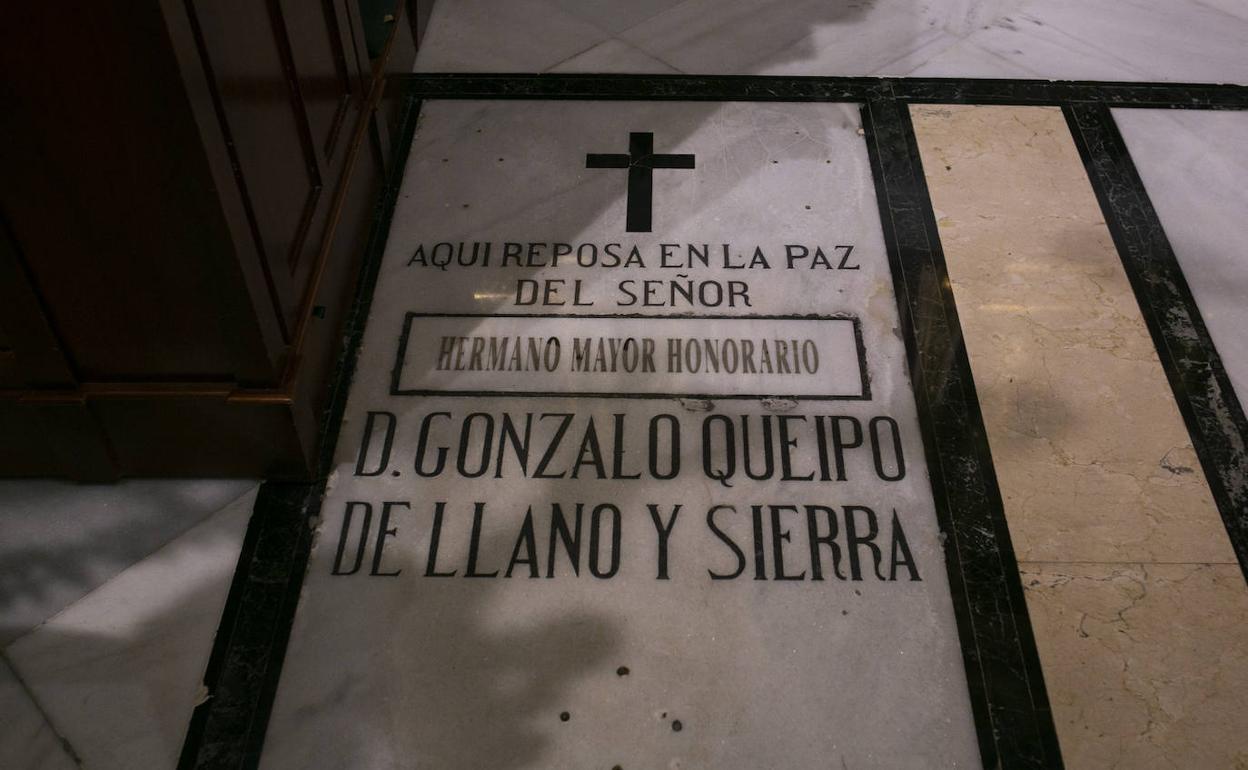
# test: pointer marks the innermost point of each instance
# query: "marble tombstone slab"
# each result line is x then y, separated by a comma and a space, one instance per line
631, 473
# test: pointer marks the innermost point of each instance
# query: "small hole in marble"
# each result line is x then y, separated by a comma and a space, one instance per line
564, 716
677, 726
622, 671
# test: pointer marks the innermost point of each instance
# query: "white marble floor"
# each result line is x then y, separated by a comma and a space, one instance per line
1137, 40
111, 596
1194, 165
63, 540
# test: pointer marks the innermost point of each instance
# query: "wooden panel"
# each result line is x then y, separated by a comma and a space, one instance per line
396, 53
106, 196
320, 61
62, 439
247, 51
30, 355
332, 99
144, 223
214, 437
337, 286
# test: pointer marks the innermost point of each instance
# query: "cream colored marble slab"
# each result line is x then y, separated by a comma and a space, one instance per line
1093, 458
1146, 664
1144, 661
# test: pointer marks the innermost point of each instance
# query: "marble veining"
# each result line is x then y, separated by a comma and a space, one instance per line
116, 674
1158, 656
1215, 417
63, 540
1194, 164
1080, 414
1135, 595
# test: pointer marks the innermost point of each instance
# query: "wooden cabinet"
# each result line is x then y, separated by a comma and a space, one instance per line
185, 193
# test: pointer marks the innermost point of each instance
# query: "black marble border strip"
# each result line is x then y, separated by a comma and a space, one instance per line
1008, 697
864, 378
227, 730
760, 88
1214, 417
250, 643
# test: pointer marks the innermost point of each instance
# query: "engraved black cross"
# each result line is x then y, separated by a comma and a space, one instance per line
640, 162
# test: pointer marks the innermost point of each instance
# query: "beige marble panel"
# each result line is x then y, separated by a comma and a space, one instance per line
1139, 609
1093, 458
1146, 664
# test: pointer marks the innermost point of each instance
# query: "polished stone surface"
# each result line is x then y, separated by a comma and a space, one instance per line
1194, 164
1080, 415
1106, 503
27, 739
63, 540
1139, 40
116, 674
1147, 663
614, 56
650, 662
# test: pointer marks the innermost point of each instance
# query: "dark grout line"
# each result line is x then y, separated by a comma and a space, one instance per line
65, 745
